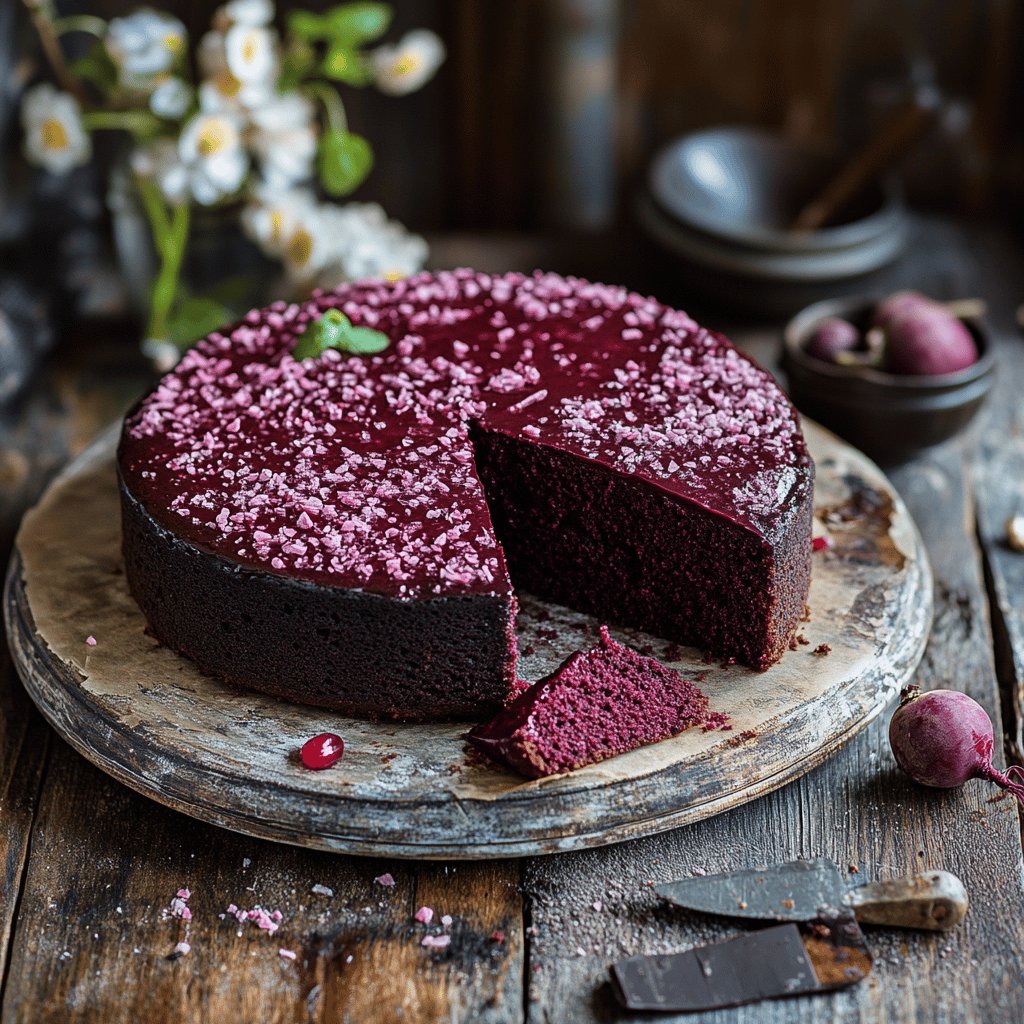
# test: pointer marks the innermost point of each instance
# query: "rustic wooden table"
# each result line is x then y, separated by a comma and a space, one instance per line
88, 867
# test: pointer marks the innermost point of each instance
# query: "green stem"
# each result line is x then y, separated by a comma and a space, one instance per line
170, 238
333, 107
129, 120
81, 23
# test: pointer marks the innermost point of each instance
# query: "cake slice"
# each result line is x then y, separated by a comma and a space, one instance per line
596, 704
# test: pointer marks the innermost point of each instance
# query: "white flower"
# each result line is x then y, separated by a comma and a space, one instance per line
366, 244
272, 217
145, 43
284, 138
54, 135
410, 64
159, 160
220, 89
249, 12
213, 163
307, 246
251, 53
171, 98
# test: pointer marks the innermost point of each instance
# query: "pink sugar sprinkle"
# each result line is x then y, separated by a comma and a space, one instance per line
424, 915
91, 640
821, 544
286, 954
182, 948
385, 879
184, 894
436, 941
186, 914
446, 920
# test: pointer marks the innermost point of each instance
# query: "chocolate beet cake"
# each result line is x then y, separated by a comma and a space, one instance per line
593, 706
346, 530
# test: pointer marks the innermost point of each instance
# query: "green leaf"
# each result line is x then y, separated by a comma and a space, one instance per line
364, 341
335, 330
97, 67
195, 318
344, 64
358, 23
308, 26
344, 161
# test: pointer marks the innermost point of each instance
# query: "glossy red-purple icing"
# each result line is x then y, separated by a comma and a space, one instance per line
358, 471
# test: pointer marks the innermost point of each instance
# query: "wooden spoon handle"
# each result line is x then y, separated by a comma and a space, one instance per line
935, 900
896, 136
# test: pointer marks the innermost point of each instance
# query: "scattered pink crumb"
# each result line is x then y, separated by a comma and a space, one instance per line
286, 954
184, 894
322, 890
698, 871
178, 907
446, 920
182, 949
597, 905
91, 640
386, 879
436, 941
424, 915
821, 543
268, 921
498, 936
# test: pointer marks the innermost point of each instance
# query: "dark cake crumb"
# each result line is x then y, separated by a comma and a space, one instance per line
597, 704
822, 650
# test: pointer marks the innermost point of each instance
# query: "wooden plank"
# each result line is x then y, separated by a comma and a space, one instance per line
92, 940
999, 484
856, 809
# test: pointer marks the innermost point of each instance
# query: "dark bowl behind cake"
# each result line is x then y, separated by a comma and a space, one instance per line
347, 530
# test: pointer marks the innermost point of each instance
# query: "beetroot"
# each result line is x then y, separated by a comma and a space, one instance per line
830, 337
943, 738
928, 342
903, 304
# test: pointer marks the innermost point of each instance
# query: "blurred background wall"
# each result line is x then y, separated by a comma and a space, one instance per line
546, 110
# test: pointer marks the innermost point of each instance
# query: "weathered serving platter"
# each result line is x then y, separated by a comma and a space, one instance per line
150, 719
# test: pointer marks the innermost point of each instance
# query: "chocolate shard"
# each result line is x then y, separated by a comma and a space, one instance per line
784, 960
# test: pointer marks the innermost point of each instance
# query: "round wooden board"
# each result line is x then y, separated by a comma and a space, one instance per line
150, 719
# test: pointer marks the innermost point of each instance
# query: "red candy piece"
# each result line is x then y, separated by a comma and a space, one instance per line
322, 751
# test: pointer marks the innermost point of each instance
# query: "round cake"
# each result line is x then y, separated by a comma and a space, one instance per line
348, 530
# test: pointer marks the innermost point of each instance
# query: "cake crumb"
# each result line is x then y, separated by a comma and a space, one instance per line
386, 880
436, 941
181, 949
498, 936
822, 543
424, 915
446, 920
822, 650
853, 868
91, 640
322, 890
286, 954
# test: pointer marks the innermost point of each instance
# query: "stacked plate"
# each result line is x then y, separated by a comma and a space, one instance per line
721, 202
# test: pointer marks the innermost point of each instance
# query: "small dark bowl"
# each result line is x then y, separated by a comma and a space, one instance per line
889, 416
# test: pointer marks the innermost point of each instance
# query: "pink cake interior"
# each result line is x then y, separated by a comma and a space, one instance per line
597, 704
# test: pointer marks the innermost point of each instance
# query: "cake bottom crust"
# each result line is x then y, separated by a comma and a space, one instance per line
352, 651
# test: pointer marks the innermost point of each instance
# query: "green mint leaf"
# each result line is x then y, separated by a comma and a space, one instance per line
335, 330
364, 341
344, 161
358, 23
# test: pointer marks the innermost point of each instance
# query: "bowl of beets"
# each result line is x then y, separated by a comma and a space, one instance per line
892, 375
